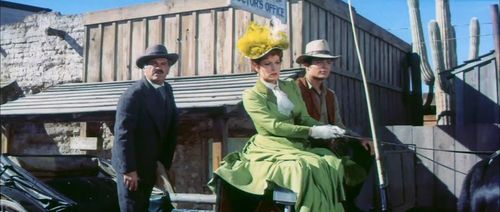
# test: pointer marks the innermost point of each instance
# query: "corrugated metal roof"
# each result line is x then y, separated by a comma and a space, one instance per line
78, 99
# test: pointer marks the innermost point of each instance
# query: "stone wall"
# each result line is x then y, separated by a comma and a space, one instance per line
37, 60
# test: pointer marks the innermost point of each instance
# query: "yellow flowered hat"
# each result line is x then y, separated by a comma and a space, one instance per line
258, 40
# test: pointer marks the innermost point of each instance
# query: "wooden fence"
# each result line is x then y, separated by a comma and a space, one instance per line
477, 91
438, 174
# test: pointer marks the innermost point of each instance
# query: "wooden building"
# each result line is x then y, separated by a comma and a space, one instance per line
211, 74
477, 91
205, 33
445, 154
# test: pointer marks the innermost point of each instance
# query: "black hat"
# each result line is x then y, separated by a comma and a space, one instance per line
156, 51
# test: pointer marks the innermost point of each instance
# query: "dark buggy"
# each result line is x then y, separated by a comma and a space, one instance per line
56, 183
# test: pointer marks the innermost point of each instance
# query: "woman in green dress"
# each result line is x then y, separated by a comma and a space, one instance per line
280, 152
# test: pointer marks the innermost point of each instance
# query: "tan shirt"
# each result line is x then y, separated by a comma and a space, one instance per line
320, 100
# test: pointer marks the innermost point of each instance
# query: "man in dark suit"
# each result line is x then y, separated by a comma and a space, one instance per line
145, 130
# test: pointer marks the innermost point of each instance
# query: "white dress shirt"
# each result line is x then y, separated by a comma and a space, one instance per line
285, 106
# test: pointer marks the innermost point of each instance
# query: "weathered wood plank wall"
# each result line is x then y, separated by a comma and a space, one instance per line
477, 91
205, 36
440, 174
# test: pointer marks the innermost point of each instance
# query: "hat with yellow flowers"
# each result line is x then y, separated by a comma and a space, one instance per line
258, 40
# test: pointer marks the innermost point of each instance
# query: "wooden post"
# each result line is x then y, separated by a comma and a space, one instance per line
6, 138
219, 145
88, 138
219, 142
416, 90
496, 33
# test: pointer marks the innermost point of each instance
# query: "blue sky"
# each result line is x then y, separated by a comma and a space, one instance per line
390, 14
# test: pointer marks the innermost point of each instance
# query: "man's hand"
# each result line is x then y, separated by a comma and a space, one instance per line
368, 145
131, 180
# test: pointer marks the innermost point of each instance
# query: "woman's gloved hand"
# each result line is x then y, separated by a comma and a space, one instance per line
326, 132
337, 131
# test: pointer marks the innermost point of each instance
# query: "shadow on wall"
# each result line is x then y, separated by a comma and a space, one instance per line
32, 139
476, 96
58, 138
74, 44
64, 35
2, 52
444, 154
415, 183
10, 91
437, 172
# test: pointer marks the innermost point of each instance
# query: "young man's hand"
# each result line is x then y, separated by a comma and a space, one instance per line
368, 145
131, 180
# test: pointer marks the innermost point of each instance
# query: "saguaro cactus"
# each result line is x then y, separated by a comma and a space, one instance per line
447, 32
447, 39
474, 31
442, 98
444, 54
418, 46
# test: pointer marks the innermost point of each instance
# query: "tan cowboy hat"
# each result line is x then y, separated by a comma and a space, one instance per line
156, 51
316, 49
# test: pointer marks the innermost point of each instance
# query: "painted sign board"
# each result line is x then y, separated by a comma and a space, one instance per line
266, 8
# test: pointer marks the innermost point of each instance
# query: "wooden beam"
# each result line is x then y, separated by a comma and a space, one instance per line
193, 198
6, 132
150, 10
66, 117
219, 144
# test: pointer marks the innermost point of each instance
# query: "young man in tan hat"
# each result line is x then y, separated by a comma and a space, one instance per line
145, 130
322, 104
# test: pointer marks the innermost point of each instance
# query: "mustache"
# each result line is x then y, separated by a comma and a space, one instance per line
158, 71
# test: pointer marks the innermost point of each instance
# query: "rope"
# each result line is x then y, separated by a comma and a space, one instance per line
393, 143
443, 150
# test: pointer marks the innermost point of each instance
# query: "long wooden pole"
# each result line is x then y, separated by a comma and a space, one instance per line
378, 160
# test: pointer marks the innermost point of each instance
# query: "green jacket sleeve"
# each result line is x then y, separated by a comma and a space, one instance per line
262, 117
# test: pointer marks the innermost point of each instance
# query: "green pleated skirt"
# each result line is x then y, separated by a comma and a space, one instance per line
314, 174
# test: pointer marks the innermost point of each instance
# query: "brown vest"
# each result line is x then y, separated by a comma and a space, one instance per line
312, 107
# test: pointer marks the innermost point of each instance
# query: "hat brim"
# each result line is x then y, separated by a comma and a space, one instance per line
141, 61
301, 58
263, 54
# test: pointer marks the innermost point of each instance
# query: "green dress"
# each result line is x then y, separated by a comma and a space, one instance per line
280, 153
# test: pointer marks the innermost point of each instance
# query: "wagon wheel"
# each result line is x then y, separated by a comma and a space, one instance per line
11, 206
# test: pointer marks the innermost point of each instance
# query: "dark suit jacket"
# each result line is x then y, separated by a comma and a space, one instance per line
145, 130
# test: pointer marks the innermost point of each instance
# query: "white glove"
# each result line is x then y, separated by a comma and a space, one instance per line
326, 132
338, 132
